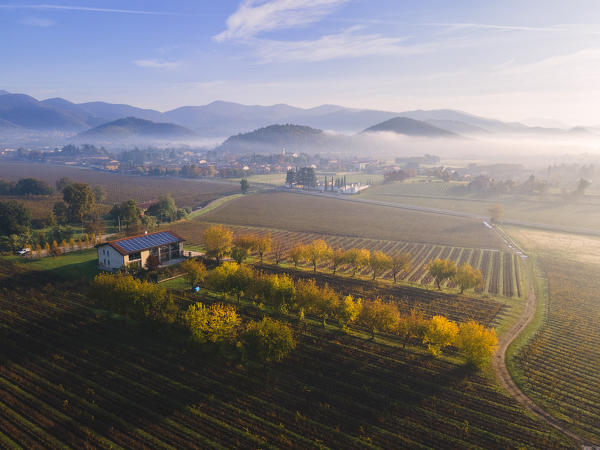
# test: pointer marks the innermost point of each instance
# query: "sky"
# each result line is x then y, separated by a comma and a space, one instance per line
512, 60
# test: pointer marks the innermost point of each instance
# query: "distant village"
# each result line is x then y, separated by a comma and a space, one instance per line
322, 170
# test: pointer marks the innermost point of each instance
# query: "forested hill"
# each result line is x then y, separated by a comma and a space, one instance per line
410, 127
277, 137
132, 127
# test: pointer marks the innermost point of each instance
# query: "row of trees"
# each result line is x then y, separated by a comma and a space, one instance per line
217, 324
303, 176
219, 242
16, 231
284, 295
25, 186
48, 244
130, 216
465, 276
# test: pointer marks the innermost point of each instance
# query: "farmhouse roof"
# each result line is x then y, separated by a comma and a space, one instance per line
134, 244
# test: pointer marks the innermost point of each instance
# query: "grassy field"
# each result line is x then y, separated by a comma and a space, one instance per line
296, 212
74, 376
455, 196
559, 366
501, 270
80, 264
191, 193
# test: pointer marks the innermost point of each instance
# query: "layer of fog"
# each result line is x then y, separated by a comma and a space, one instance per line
531, 150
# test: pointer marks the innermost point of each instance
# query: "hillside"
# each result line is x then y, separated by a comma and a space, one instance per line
134, 128
276, 137
27, 112
410, 127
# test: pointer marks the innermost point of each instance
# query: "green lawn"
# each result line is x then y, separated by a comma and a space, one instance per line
176, 284
74, 265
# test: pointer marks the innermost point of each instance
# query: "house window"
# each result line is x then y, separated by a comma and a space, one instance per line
164, 253
135, 256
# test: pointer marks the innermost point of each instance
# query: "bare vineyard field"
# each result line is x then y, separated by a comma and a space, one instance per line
455, 196
71, 376
119, 188
560, 367
492, 262
308, 213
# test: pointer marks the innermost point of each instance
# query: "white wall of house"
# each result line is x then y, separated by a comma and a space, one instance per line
109, 258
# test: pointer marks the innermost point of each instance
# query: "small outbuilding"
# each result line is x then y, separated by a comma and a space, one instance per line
166, 246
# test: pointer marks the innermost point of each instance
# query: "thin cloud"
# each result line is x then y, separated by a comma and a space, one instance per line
89, 9
456, 26
254, 16
156, 64
36, 22
347, 44
587, 59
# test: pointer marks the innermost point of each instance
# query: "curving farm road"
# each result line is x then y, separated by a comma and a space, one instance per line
499, 366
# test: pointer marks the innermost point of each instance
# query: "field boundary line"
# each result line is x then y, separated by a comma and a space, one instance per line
212, 206
448, 212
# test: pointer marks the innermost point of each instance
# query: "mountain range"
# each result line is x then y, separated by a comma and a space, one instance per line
222, 119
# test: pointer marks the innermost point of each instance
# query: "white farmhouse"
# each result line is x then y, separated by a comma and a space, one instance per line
165, 245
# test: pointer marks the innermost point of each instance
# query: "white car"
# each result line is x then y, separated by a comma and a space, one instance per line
23, 251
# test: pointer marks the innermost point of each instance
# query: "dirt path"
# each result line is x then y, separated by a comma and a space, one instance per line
499, 366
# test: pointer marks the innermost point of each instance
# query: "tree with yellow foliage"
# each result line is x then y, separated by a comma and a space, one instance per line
326, 304
216, 323
297, 254
358, 258
307, 293
338, 257
267, 340
379, 262
348, 310
377, 315
412, 326
400, 263
476, 343
220, 279
440, 270
317, 251
280, 292
263, 245
467, 277
440, 333
194, 271
217, 241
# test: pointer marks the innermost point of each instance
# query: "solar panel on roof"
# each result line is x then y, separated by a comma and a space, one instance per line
147, 241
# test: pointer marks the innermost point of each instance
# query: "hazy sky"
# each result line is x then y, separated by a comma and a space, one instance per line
508, 59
